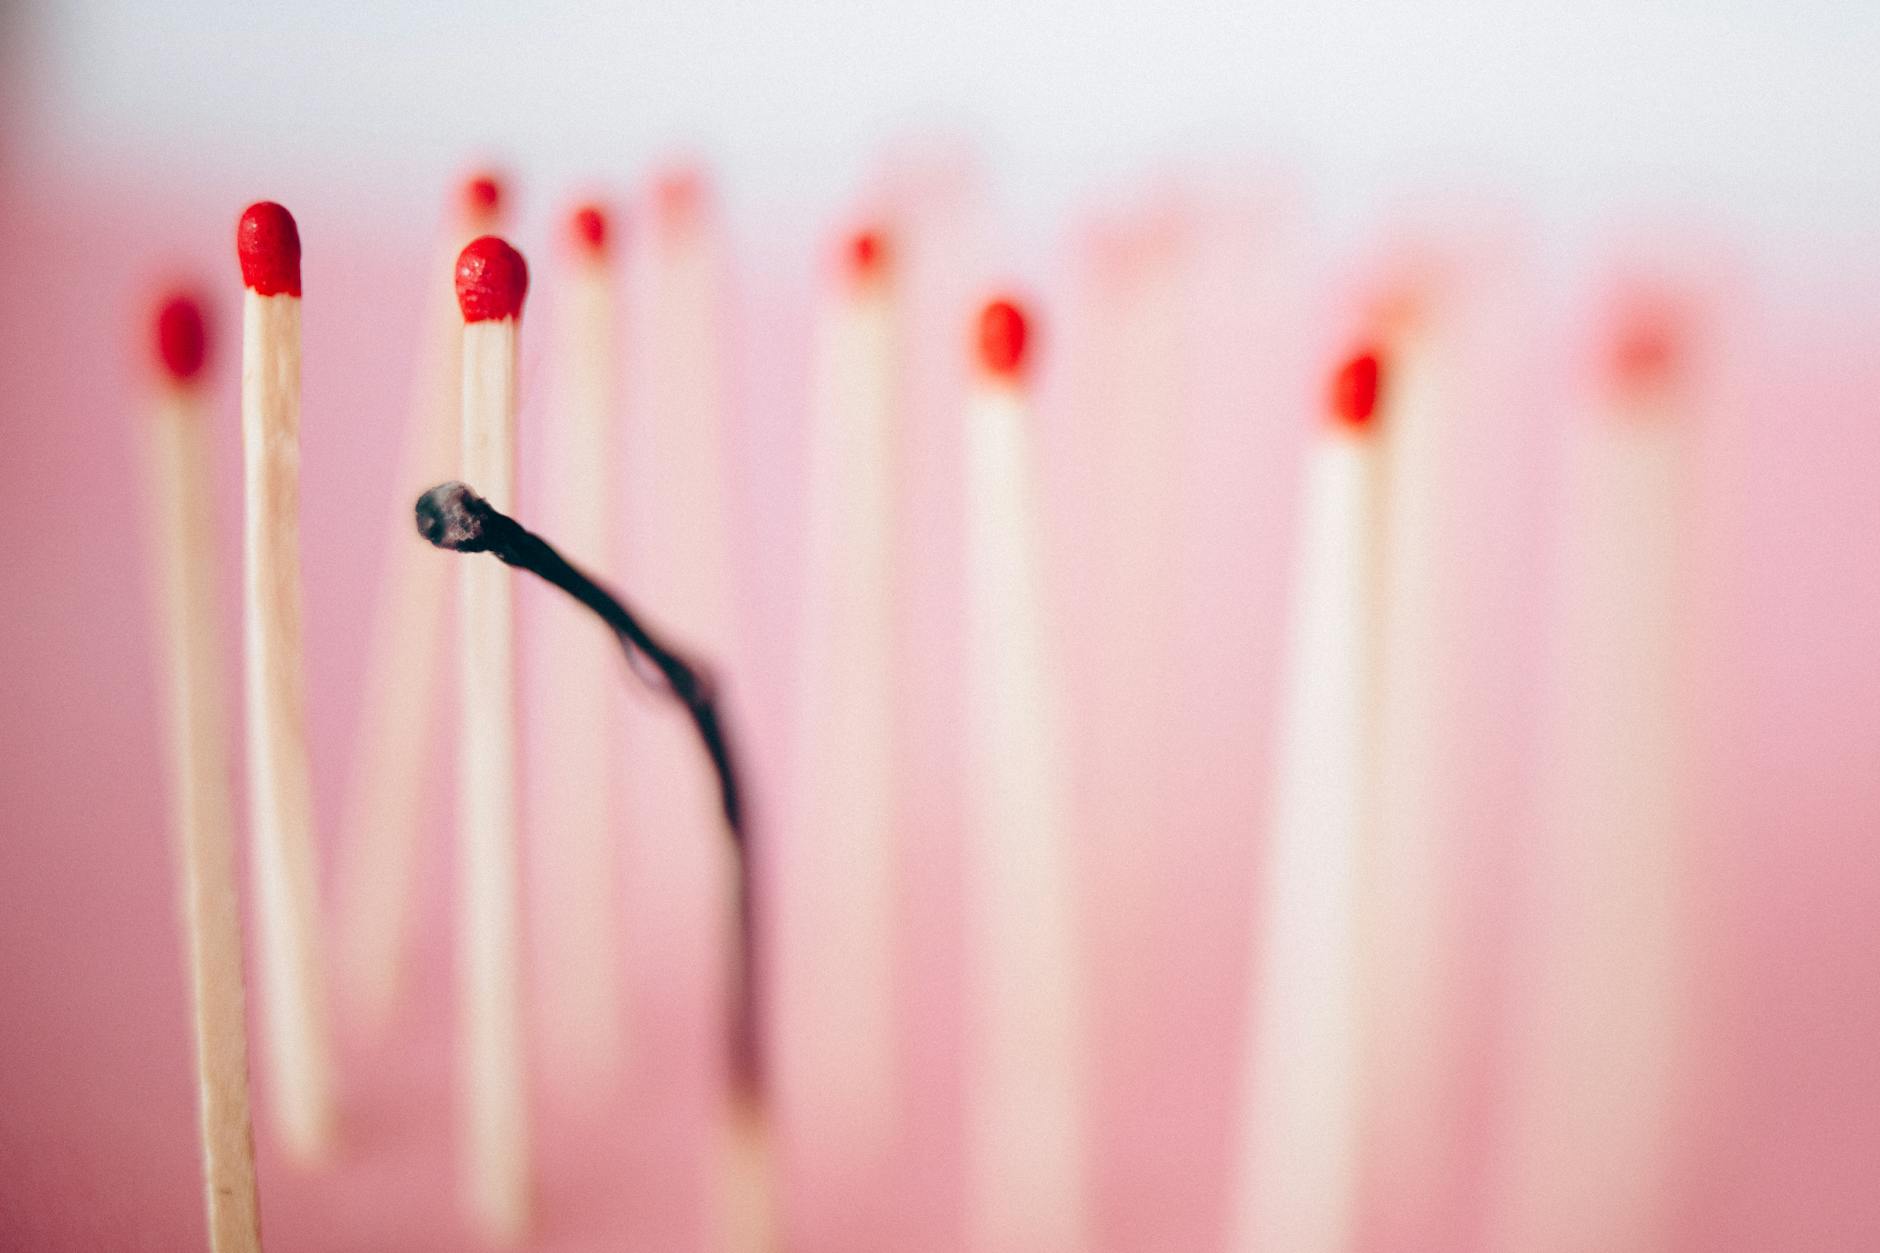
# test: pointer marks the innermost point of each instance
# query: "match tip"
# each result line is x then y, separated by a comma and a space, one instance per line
1003, 333
867, 255
481, 197
1353, 395
452, 516
1647, 347
679, 196
492, 280
181, 340
588, 224
268, 243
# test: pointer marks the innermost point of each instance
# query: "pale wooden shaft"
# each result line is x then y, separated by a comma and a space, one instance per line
494, 1108
1026, 1169
394, 752
843, 1010
1600, 1018
203, 819
297, 1059
576, 871
1299, 1154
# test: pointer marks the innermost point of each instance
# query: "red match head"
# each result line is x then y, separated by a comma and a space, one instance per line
867, 255
1004, 330
492, 279
181, 341
679, 197
1353, 395
268, 243
588, 224
482, 197
1647, 346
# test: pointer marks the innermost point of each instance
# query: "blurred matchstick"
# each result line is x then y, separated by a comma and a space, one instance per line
1297, 1186
202, 811
1026, 1175
841, 1008
393, 754
576, 751
1597, 1027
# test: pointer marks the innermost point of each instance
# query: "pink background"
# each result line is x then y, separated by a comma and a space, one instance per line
1778, 1150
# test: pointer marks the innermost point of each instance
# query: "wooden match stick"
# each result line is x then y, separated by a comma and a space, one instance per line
1408, 951
576, 747
1599, 1024
1300, 1137
679, 555
1026, 1187
293, 994
491, 283
393, 755
202, 812
841, 1006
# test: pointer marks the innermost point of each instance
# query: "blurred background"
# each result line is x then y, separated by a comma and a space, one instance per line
1202, 203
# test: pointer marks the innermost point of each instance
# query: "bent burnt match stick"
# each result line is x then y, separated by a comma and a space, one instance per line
454, 517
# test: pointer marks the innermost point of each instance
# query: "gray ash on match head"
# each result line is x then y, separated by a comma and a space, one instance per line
452, 516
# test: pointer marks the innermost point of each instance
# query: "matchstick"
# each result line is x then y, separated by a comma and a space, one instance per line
678, 555
841, 1012
1299, 1162
1026, 1186
1408, 949
1598, 1024
201, 808
383, 831
293, 994
491, 283
576, 750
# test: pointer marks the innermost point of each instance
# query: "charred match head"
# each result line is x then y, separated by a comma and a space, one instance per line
452, 516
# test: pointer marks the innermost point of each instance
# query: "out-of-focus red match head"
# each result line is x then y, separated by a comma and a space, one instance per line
481, 197
181, 338
588, 226
268, 243
1004, 335
679, 197
1646, 350
1353, 394
492, 279
866, 254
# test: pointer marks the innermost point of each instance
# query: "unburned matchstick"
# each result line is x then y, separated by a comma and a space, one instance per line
1026, 1188
491, 282
1600, 1041
575, 724
1298, 1162
293, 991
384, 819
841, 1005
201, 808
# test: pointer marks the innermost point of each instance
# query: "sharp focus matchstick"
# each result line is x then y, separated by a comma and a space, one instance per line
841, 1006
293, 993
394, 755
576, 867
201, 808
1299, 1159
1598, 1026
1026, 1177
491, 283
